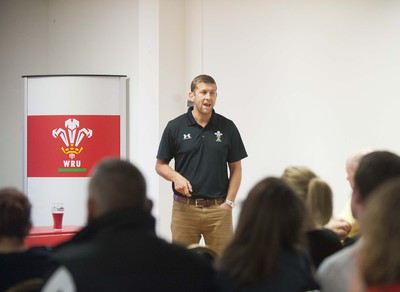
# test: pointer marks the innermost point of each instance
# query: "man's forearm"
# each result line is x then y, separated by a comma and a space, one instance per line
234, 180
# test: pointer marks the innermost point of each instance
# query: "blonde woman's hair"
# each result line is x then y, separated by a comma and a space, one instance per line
299, 177
316, 193
319, 201
380, 257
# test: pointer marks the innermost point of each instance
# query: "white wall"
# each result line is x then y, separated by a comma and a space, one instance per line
172, 92
80, 37
23, 50
306, 82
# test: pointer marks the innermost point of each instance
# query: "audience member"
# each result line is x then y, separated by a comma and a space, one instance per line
317, 195
118, 250
265, 253
17, 263
375, 168
349, 233
379, 260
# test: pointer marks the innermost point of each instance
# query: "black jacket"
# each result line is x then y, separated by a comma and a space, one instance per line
121, 252
19, 266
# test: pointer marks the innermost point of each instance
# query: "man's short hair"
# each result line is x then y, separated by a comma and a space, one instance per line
374, 169
201, 79
117, 184
15, 213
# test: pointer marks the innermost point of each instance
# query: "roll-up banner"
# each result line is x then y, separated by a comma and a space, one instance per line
71, 123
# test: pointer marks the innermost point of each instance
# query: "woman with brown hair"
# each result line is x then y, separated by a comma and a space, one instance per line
265, 253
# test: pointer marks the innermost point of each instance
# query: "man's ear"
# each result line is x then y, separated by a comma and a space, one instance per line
28, 227
191, 96
148, 205
91, 210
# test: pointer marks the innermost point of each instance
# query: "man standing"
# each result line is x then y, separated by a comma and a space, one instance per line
204, 145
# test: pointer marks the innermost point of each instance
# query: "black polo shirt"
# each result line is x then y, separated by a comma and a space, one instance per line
201, 154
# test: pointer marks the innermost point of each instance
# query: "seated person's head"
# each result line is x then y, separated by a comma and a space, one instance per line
352, 163
116, 184
374, 169
316, 193
15, 213
272, 212
299, 177
270, 224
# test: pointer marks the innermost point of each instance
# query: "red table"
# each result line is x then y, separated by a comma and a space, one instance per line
45, 235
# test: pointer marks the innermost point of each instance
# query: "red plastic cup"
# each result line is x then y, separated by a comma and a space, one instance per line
57, 211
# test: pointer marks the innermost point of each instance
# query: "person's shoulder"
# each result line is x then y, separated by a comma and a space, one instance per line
179, 119
40, 251
195, 270
298, 262
324, 235
35, 255
225, 122
296, 259
223, 118
72, 250
339, 259
335, 271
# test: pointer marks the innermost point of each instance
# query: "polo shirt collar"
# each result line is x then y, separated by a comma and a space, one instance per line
192, 121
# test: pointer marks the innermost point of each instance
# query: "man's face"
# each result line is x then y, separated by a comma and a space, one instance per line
204, 98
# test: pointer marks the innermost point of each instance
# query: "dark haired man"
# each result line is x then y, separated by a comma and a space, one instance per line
204, 145
118, 250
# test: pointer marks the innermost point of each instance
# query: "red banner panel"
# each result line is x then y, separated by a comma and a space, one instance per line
70, 145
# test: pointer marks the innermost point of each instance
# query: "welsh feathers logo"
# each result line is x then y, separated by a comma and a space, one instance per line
218, 135
72, 136
70, 145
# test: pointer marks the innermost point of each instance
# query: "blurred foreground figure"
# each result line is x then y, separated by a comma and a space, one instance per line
265, 253
118, 250
379, 260
376, 168
18, 264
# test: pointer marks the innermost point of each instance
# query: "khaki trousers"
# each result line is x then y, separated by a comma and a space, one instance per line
189, 223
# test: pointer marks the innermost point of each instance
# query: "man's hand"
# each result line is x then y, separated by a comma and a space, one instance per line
225, 206
182, 185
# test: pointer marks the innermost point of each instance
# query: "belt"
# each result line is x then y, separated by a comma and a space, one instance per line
199, 202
